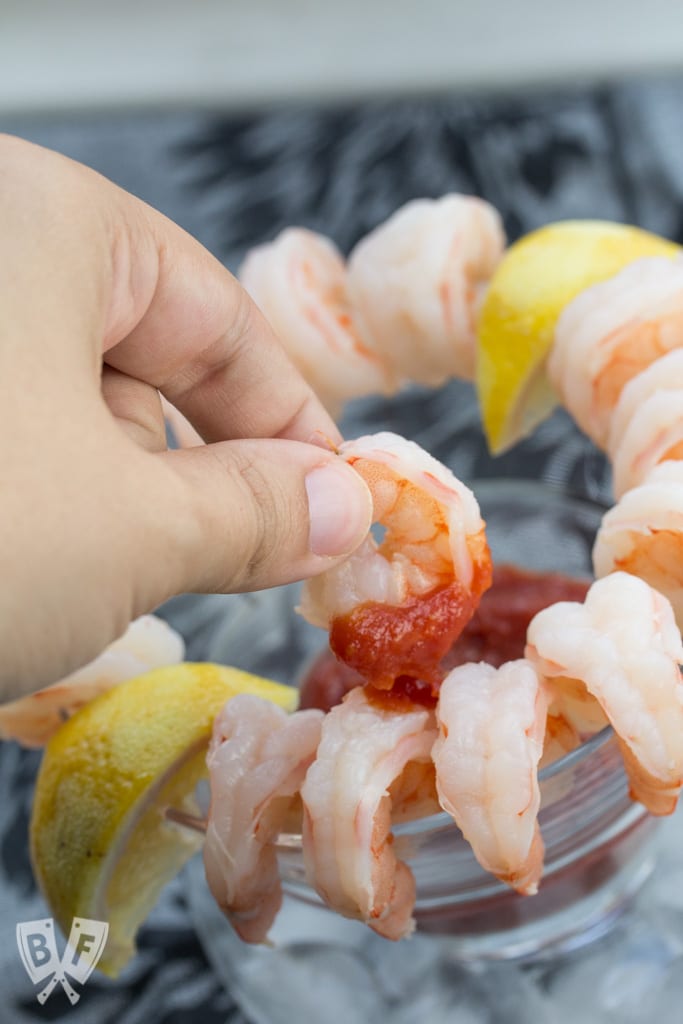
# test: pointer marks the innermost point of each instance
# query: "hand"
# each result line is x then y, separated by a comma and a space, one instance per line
105, 304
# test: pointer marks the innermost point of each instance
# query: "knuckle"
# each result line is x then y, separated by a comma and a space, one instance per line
257, 546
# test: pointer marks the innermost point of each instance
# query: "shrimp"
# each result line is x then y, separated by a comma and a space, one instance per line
491, 729
643, 534
416, 284
148, 643
622, 643
664, 374
609, 333
654, 435
367, 744
299, 282
647, 423
257, 760
395, 608
574, 715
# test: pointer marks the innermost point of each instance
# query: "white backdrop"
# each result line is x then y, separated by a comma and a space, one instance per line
84, 53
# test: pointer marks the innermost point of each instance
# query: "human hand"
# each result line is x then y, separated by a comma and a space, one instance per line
105, 304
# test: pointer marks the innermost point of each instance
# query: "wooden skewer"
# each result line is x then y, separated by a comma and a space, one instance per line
185, 819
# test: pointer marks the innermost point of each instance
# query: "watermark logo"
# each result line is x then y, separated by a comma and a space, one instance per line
38, 950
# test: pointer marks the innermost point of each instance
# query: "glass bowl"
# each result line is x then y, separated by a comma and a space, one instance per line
598, 842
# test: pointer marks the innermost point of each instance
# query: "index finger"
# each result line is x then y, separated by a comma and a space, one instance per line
163, 309
201, 340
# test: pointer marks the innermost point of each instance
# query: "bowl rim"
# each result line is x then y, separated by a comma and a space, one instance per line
433, 822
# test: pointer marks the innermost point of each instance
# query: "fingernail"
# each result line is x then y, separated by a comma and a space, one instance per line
340, 509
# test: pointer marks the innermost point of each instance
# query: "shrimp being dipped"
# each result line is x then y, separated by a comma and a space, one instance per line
257, 761
491, 730
623, 644
299, 282
148, 643
417, 281
611, 332
367, 744
643, 534
395, 608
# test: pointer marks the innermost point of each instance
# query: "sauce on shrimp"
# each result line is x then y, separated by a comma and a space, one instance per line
496, 633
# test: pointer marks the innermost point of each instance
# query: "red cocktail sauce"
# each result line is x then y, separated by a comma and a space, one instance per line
407, 656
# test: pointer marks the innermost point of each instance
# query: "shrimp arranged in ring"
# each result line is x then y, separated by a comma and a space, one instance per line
257, 761
612, 331
491, 730
643, 534
647, 424
148, 643
394, 608
299, 282
623, 644
417, 281
365, 748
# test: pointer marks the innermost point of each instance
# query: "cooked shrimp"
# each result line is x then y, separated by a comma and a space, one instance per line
664, 374
612, 331
560, 738
257, 760
647, 423
654, 434
299, 282
623, 644
491, 728
366, 746
573, 716
643, 534
417, 281
148, 643
395, 608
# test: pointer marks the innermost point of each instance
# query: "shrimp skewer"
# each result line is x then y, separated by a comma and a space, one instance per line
257, 761
611, 332
623, 644
643, 534
148, 643
394, 609
299, 282
417, 281
364, 749
491, 729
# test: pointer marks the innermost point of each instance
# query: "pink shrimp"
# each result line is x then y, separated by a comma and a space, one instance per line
257, 761
643, 534
416, 283
299, 282
366, 746
492, 724
148, 643
611, 332
622, 643
395, 608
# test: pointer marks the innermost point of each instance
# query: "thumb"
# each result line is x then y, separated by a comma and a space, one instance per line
260, 513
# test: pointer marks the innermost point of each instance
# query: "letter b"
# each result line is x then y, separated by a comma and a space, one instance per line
38, 948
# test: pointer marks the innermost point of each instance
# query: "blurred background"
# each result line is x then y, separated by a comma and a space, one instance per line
237, 119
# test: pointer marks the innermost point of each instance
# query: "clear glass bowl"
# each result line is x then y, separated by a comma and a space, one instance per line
598, 842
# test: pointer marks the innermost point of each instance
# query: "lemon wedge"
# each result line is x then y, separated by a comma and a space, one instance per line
102, 846
536, 279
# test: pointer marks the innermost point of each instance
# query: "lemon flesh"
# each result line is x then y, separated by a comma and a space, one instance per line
101, 845
537, 278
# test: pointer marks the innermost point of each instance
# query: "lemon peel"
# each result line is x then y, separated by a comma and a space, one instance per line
538, 276
101, 845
